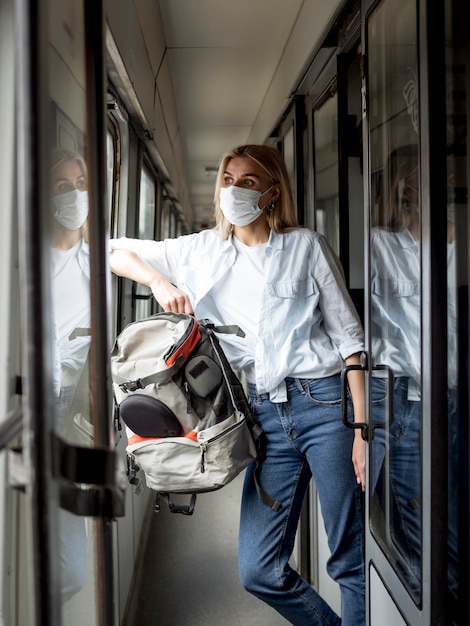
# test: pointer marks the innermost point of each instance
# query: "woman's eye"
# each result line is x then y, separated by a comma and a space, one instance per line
228, 180
65, 187
81, 184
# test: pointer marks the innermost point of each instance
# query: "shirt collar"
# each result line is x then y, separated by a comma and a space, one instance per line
276, 241
406, 239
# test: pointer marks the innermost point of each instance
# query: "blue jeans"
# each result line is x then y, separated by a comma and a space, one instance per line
304, 436
401, 498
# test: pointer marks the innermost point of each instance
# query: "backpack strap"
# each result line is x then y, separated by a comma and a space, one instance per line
79, 332
258, 437
163, 376
256, 431
229, 329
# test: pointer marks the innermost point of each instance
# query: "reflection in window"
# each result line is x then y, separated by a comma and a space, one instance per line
395, 268
71, 329
70, 273
457, 311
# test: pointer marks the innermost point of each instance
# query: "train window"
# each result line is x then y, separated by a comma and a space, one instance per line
174, 222
165, 223
395, 291
73, 337
289, 158
72, 218
146, 227
325, 132
9, 293
306, 178
457, 311
290, 137
10, 320
179, 227
170, 223
113, 168
146, 230
351, 175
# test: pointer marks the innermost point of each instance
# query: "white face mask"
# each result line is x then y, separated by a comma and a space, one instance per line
71, 208
240, 205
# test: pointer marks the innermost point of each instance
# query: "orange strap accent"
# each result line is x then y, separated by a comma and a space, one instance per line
138, 439
187, 346
133, 439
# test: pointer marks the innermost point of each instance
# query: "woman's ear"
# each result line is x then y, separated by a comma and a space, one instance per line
275, 193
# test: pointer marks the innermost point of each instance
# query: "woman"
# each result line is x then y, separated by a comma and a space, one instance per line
70, 273
70, 280
283, 285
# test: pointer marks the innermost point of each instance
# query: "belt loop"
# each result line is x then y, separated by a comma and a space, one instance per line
299, 386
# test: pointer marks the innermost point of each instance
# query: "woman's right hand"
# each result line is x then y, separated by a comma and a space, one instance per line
170, 297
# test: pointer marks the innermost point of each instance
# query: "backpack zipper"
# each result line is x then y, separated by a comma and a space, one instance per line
205, 445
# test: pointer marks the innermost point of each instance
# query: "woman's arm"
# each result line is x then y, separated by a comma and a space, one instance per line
126, 263
357, 389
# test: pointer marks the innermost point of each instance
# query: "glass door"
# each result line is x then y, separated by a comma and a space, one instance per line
416, 311
68, 480
395, 479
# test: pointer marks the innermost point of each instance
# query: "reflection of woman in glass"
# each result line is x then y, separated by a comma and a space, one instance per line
396, 332
70, 286
70, 273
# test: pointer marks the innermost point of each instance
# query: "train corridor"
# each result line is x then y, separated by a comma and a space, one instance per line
188, 573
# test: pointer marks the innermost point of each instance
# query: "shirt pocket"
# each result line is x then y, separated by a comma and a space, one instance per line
303, 288
395, 287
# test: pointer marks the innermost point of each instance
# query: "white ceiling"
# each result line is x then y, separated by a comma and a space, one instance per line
223, 55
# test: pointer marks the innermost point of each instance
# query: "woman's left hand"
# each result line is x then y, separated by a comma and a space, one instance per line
359, 459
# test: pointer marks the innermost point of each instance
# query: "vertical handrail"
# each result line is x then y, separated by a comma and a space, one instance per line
101, 405
41, 492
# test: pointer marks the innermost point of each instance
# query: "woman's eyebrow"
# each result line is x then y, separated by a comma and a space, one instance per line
245, 174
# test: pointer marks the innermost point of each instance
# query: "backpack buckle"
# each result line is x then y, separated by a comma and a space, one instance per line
131, 385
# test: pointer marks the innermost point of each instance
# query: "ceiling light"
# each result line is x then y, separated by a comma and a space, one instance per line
210, 170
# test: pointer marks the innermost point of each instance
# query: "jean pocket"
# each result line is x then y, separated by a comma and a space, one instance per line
379, 390
324, 391
254, 401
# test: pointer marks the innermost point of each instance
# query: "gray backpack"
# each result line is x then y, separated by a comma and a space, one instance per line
188, 422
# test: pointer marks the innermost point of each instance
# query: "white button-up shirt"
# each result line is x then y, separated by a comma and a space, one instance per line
396, 302
396, 306
307, 322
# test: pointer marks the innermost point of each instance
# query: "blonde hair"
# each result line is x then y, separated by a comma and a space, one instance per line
57, 157
62, 156
401, 165
282, 216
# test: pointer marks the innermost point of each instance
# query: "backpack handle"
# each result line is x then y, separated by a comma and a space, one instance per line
184, 509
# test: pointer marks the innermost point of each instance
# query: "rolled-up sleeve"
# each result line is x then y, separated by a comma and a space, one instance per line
340, 317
